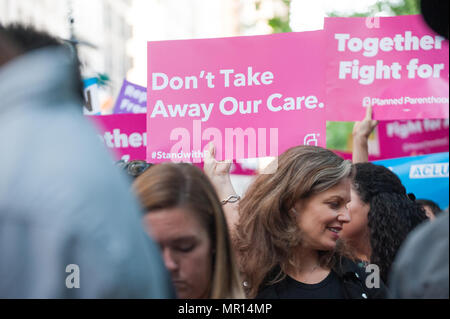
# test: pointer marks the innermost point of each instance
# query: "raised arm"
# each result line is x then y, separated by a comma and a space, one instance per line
361, 132
219, 174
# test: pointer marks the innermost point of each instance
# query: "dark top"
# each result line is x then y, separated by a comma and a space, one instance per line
347, 280
329, 288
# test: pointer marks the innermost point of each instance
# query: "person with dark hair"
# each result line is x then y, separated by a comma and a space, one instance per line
28, 39
382, 215
69, 227
431, 208
287, 228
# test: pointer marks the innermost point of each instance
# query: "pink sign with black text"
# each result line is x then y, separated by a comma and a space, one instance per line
252, 96
396, 64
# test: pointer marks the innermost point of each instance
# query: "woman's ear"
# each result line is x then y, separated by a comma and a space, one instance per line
296, 208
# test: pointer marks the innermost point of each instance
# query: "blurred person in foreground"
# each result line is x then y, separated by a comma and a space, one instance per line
421, 269
184, 215
69, 228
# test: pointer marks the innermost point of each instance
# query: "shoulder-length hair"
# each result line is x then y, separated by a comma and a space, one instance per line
172, 185
267, 234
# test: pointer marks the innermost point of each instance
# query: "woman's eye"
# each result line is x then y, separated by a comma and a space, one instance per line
185, 248
333, 205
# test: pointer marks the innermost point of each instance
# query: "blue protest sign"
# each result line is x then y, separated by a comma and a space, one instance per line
427, 176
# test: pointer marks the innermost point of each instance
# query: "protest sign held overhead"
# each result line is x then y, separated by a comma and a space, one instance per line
126, 136
132, 99
396, 64
401, 138
237, 93
413, 137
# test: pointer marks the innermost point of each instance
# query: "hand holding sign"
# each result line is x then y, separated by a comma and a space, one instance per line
218, 172
362, 129
361, 132
219, 175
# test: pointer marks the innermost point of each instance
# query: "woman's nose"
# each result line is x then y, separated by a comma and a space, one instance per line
344, 215
169, 260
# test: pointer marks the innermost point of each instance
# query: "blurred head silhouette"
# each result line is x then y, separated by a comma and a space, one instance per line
21, 39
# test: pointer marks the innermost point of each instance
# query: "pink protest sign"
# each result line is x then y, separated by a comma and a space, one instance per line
396, 64
124, 134
404, 138
252, 96
413, 137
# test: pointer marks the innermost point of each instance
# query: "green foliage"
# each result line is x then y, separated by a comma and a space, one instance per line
280, 24
408, 7
395, 8
338, 134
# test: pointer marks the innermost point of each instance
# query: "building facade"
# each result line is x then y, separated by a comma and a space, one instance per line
102, 28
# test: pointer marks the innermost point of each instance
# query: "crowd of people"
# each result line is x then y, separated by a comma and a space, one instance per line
318, 227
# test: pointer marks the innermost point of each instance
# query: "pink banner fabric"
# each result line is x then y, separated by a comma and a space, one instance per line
396, 64
124, 134
252, 96
405, 138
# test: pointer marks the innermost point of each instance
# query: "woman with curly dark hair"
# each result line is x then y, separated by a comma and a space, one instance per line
382, 215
